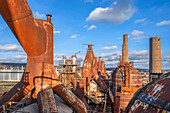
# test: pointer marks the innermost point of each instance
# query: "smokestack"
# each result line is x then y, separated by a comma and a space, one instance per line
49, 17
125, 57
155, 58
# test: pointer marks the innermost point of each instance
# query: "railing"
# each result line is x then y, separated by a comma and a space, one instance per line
61, 62
70, 71
10, 74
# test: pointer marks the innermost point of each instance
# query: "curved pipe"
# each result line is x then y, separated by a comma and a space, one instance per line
18, 16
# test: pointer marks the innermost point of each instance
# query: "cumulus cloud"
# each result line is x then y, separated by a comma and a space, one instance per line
57, 32
111, 64
136, 32
88, 1
117, 13
138, 55
75, 36
106, 55
136, 35
162, 23
109, 48
38, 15
140, 20
15, 59
10, 48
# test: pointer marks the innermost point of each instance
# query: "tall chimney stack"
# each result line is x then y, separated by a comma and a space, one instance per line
155, 58
125, 57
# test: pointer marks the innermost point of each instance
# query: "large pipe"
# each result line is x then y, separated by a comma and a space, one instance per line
18, 16
73, 101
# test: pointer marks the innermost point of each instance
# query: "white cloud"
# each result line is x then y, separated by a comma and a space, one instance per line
75, 36
91, 27
117, 13
10, 48
109, 48
140, 20
59, 54
138, 55
136, 32
88, 1
57, 32
85, 26
38, 15
136, 35
106, 55
15, 59
165, 22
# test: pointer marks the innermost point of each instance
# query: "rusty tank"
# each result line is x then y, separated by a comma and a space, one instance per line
154, 97
39, 78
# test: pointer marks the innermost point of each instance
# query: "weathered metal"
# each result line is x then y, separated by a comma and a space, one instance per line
90, 70
65, 94
47, 106
117, 104
126, 79
36, 38
152, 98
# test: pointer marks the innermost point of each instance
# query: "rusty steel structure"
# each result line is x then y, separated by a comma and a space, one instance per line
70, 71
126, 79
155, 58
90, 71
95, 82
39, 78
152, 98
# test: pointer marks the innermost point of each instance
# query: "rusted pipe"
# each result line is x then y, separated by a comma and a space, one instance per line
65, 94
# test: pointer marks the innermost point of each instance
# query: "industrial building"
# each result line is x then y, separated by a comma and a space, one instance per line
126, 78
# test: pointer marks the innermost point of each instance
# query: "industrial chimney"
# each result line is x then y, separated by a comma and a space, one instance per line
155, 58
125, 57
49, 17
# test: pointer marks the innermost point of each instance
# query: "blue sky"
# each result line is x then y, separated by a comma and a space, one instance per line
98, 22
